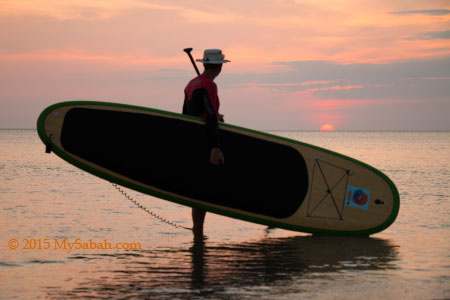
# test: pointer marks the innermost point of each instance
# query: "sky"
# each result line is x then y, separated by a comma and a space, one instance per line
295, 65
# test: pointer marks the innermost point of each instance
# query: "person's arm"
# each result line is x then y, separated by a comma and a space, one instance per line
212, 128
199, 105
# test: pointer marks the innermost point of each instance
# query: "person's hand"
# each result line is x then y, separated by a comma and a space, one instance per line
216, 156
221, 119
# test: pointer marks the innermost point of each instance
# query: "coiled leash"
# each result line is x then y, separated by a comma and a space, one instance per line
117, 187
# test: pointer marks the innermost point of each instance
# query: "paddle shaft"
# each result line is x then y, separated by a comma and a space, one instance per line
188, 51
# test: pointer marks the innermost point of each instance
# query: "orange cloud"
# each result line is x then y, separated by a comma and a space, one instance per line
355, 31
105, 9
81, 56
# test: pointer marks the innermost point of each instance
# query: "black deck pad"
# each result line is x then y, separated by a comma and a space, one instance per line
258, 176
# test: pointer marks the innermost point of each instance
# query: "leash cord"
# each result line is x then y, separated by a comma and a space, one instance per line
118, 188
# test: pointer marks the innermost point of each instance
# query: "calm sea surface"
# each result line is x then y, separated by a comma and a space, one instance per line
44, 200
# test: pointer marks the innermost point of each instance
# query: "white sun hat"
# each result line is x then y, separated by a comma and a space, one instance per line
213, 56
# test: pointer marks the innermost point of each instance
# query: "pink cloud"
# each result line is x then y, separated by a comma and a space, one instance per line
334, 104
304, 83
334, 119
315, 82
336, 87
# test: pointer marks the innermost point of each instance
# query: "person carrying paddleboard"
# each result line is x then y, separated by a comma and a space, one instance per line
201, 99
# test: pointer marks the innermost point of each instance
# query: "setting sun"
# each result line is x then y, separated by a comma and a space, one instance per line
327, 127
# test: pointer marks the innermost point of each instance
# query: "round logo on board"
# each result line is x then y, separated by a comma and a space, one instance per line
360, 198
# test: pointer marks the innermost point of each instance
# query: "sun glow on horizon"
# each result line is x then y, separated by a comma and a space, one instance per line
327, 127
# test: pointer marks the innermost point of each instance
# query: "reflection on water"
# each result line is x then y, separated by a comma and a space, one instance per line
215, 271
42, 196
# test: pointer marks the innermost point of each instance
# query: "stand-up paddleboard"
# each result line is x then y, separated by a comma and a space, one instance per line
265, 179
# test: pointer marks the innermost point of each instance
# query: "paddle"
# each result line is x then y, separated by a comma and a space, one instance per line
188, 51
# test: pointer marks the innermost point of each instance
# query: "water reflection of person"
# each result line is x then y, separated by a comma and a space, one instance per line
198, 251
284, 259
201, 99
207, 269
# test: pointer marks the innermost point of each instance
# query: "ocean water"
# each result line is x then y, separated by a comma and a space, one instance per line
44, 201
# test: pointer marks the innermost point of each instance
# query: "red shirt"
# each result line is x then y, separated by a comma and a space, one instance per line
204, 82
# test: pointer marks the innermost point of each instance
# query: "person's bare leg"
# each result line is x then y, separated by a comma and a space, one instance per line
198, 218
